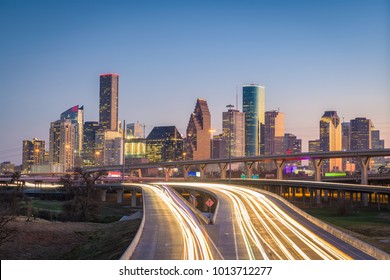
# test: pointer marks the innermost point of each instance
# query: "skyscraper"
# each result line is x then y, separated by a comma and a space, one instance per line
61, 150
198, 132
164, 143
361, 134
108, 102
292, 145
235, 120
108, 147
346, 136
135, 130
253, 103
274, 133
33, 153
76, 116
330, 139
89, 142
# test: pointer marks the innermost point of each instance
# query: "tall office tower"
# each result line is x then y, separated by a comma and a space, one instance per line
361, 134
330, 138
89, 141
314, 146
234, 120
345, 136
274, 133
292, 145
253, 104
219, 146
61, 150
377, 143
198, 132
135, 130
108, 102
346, 144
164, 143
33, 153
108, 147
76, 116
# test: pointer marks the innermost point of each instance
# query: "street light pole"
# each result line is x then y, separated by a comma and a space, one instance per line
230, 106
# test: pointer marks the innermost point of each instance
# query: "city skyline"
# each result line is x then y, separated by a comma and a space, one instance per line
307, 63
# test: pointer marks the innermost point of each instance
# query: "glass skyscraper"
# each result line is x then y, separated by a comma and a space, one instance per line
108, 102
76, 115
253, 103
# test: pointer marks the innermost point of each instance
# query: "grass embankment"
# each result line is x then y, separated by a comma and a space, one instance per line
108, 243
368, 225
45, 239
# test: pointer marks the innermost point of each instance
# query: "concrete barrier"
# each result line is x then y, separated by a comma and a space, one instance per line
130, 250
195, 210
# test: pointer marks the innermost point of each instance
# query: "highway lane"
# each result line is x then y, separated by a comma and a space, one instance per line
171, 231
261, 227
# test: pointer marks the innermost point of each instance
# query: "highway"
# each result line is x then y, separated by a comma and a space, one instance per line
171, 230
251, 225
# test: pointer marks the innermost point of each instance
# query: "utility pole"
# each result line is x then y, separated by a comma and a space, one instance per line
123, 150
230, 106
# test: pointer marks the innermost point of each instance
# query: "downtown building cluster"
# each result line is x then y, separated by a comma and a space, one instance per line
254, 131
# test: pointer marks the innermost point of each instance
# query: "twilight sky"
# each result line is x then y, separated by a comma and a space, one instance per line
311, 56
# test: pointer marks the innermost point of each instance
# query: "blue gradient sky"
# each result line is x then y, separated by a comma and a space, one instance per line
311, 56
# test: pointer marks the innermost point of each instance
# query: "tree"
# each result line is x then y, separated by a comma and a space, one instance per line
81, 185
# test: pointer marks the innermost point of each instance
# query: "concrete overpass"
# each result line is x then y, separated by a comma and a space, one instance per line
317, 159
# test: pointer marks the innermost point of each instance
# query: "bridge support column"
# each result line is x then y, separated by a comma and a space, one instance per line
249, 169
202, 169
311, 198
388, 202
167, 172
293, 194
378, 200
318, 197
139, 171
279, 163
222, 168
317, 163
186, 168
119, 196
134, 198
364, 199
365, 162
326, 195
103, 195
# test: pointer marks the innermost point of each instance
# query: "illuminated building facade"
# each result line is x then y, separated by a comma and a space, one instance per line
234, 120
33, 153
314, 146
89, 142
198, 132
7, 167
220, 146
108, 147
135, 148
164, 143
108, 102
361, 134
274, 133
76, 116
134, 130
253, 101
377, 143
61, 150
330, 139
